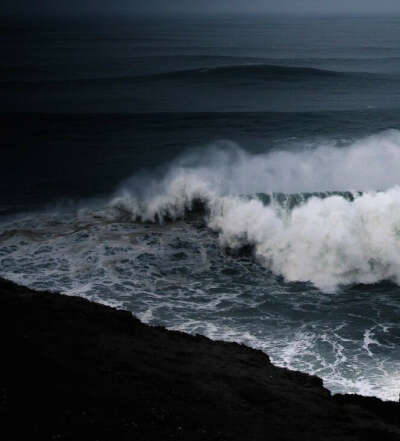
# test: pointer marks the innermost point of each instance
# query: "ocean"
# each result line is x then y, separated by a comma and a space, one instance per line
236, 177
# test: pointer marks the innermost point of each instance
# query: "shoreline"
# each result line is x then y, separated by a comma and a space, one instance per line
76, 370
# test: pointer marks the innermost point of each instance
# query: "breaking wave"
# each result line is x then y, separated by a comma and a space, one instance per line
329, 215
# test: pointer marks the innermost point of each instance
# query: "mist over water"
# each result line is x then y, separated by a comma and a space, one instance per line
224, 168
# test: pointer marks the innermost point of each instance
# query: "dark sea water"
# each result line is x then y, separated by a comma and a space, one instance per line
236, 177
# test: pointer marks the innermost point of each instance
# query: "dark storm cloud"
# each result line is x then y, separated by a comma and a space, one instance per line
132, 7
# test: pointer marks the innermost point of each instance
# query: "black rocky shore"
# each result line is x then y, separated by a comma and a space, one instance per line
76, 370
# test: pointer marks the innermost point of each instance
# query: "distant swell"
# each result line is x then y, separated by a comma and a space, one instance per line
265, 71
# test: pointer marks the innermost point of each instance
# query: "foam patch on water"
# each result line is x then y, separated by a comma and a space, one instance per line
343, 367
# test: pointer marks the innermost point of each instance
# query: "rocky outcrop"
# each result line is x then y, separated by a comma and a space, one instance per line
76, 370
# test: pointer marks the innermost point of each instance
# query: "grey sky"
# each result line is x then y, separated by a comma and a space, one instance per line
133, 7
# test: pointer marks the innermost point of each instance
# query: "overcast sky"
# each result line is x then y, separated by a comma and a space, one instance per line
134, 7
